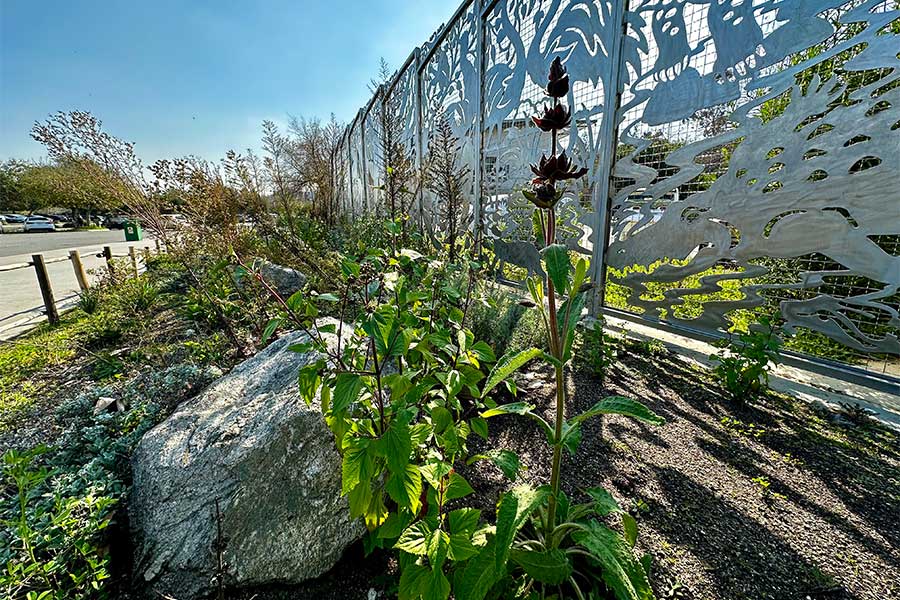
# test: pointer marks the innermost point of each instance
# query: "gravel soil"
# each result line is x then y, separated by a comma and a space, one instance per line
768, 500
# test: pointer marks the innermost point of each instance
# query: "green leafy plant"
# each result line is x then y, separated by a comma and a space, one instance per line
401, 382
55, 553
598, 350
550, 546
744, 362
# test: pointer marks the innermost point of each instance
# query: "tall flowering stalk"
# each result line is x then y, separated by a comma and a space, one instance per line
545, 196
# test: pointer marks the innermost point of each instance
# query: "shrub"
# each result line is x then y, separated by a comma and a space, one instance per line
744, 363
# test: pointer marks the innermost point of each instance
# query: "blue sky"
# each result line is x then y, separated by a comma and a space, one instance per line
182, 77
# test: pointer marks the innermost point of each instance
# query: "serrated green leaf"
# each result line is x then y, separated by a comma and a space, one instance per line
551, 567
621, 572
397, 442
438, 586
506, 366
619, 405
463, 520
505, 460
457, 487
413, 581
558, 266
604, 503
414, 538
405, 488
346, 391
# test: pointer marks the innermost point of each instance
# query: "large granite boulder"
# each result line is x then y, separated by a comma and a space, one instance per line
252, 445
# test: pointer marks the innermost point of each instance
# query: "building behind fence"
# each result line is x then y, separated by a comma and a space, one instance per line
744, 155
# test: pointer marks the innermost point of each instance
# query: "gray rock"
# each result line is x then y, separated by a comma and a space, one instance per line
251, 443
284, 279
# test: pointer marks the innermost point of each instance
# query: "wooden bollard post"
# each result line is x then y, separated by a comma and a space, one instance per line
108, 255
157, 245
40, 268
133, 256
78, 266
145, 255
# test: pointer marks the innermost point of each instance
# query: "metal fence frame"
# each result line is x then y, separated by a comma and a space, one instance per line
360, 199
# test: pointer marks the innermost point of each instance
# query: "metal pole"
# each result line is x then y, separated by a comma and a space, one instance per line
78, 266
40, 269
609, 138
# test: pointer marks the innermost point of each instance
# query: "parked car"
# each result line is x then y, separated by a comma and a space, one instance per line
38, 223
117, 221
10, 225
13, 218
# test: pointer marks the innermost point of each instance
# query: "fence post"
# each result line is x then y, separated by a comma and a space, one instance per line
133, 256
78, 266
157, 245
609, 133
479, 126
40, 268
108, 255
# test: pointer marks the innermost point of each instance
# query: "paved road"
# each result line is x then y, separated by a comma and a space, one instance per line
12, 244
21, 305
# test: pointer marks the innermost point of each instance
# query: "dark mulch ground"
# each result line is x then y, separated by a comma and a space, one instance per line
826, 527
765, 501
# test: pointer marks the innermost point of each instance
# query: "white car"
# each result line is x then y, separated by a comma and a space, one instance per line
36, 223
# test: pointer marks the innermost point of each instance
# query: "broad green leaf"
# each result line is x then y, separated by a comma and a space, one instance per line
604, 503
308, 380
512, 511
441, 419
328, 297
581, 267
621, 572
397, 446
463, 520
270, 329
629, 526
478, 576
571, 307
434, 472
551, 567
506, 366
405, 488
619, 405
414, 538
346, 391
484, 352
520, 408
556, 259
377, 512
356, 464
438, 586
461, 547
413, 581
571, 437
296, 300
457, 487
437, 547
394, 525
359, 499
506, 461
479, 426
